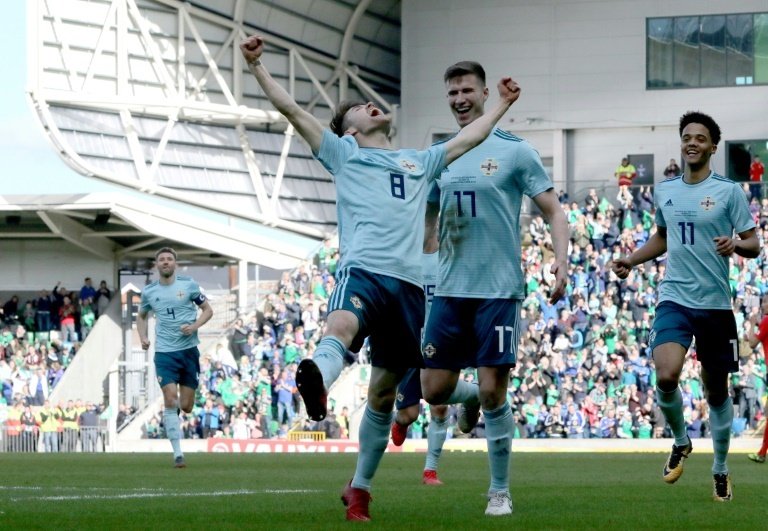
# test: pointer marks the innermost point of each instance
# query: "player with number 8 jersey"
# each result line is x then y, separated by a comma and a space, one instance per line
381, 205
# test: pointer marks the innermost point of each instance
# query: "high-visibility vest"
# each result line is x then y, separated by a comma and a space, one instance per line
48, 420
70, 418
13, 424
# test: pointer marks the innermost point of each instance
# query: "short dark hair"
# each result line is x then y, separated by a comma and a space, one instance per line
696, 117
462, 68
165, 250
337, 121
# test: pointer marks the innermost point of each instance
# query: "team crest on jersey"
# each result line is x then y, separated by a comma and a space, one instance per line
408, 165
707, 203
181, 294
430, 350
356, 302
489, 167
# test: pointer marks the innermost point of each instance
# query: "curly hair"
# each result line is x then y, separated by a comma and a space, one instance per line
696, 117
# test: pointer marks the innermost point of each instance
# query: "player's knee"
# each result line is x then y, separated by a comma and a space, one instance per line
435, 394
438, 412
667, 382
170, 403
491, 399
408, 415
382, 398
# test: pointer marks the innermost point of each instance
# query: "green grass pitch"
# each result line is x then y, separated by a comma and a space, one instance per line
301, 491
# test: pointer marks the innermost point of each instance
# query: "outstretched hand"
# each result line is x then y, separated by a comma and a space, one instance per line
509, 90
252, 48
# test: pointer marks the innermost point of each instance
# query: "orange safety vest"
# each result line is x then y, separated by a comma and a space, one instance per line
14, 422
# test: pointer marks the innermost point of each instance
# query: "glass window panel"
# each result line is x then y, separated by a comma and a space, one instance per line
686, 56
659, 50
738, 42
712, 40
761, 48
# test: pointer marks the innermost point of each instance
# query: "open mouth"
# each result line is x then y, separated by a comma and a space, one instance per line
461, 111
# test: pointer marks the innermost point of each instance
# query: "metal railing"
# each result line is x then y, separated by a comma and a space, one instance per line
87, 439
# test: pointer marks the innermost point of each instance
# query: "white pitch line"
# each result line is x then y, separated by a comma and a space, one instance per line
18, 487
240, 492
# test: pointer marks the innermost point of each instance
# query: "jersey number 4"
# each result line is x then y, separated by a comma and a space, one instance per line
171, 312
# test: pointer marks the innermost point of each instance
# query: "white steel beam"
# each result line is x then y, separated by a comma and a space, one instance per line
253, 169
151, 46
212, 66
141, 245
58, 29
134, 145
105, 29
74, 232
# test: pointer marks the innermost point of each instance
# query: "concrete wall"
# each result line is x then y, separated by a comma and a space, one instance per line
28, 266
84, 378
581, 65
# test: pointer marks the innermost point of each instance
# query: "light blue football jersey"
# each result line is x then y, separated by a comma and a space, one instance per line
481, 194
174, 305
694, 214
380, 203
430, 264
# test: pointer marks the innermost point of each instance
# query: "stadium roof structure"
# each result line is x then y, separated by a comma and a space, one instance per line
130, 227
154, 95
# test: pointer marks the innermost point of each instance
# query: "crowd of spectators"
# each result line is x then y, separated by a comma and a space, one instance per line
72, 427
38, 340
584, 366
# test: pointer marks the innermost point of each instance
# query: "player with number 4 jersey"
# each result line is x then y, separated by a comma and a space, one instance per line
697, 215
175, 300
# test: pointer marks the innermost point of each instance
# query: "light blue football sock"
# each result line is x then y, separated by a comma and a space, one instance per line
498, 434
465, 393
435, 441
173, 429
720, 421
374, 437
671, 404
329, 358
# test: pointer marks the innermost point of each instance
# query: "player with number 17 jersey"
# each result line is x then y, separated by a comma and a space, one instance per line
694, 214
481, 197
475, 312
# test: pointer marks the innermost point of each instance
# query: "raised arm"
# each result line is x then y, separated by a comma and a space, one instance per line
474, 133
307, 125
